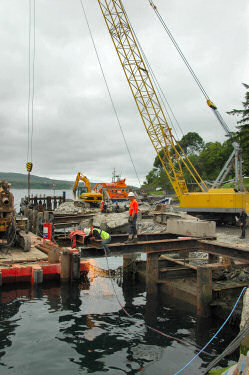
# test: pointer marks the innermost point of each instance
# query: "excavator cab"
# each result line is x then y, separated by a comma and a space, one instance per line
80, 190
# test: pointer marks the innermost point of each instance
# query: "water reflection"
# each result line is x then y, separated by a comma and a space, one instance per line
82, 328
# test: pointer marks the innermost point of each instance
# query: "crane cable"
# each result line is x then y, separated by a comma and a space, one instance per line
178, 49
156, 83
109, 92
31, 79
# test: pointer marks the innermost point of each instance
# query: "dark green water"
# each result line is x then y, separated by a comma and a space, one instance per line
81, 329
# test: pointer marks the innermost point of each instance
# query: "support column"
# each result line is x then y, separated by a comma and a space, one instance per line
75, 266
204, 290
152, 272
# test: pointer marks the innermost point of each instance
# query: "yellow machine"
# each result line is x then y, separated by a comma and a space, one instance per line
218, 203
84, 193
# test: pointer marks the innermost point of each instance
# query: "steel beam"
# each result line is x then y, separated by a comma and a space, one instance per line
224, 249
146, 246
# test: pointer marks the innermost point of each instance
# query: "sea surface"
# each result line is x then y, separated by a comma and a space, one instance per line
101, 326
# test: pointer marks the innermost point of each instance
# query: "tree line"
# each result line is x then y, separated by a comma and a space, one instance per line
207, 157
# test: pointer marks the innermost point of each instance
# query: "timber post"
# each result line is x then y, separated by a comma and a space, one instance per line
152, 271
204, 290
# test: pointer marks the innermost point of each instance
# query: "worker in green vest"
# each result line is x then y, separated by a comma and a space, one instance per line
95, 233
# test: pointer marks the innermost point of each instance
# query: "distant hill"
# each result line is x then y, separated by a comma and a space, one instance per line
19, 181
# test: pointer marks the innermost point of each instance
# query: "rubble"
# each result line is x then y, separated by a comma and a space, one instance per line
74, 208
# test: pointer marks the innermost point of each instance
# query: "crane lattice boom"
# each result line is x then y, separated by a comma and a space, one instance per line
146, 97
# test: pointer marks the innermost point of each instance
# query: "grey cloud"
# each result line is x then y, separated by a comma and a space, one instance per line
74, 125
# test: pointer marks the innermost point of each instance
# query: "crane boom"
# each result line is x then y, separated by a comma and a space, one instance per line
223, 204
146, 97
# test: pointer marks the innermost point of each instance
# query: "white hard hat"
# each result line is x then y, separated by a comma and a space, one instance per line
131, 194
87, 231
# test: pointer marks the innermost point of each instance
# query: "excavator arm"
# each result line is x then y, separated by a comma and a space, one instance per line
81, 177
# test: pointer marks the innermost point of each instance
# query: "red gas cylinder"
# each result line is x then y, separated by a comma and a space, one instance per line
47, 231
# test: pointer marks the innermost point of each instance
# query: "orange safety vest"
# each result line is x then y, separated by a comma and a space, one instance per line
133, 207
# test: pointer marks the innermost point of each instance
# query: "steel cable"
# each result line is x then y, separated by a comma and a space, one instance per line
230, 348
31, 78
109, 92
178, 49
156, 83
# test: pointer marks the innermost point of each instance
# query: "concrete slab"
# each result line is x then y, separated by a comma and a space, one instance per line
193, 228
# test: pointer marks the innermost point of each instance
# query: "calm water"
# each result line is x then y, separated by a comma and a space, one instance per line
82, 329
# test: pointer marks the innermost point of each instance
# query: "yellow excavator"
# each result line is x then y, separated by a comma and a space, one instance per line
84, 193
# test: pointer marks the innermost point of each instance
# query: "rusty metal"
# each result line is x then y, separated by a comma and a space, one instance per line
224, 249
148, 246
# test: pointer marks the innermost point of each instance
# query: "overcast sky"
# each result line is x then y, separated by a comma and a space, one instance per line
75, 128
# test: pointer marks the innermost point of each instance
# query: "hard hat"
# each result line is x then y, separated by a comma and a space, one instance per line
87, 231
131, 194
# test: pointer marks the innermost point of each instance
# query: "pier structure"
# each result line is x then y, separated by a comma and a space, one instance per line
172, 267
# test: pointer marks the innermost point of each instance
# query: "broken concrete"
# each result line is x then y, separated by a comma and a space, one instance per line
74, 208
112, 223
162, 216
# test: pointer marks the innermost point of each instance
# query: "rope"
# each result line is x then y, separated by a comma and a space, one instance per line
243, 290
109, 92
178, 49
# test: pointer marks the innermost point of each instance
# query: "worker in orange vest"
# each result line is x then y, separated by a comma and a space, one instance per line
133, 210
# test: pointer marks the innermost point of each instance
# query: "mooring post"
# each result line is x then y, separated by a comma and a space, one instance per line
204, 290
37, 275
65, 265
152, 272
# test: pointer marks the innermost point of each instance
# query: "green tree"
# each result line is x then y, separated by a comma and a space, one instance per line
192, 143
151, 176
243, 129
212, 159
